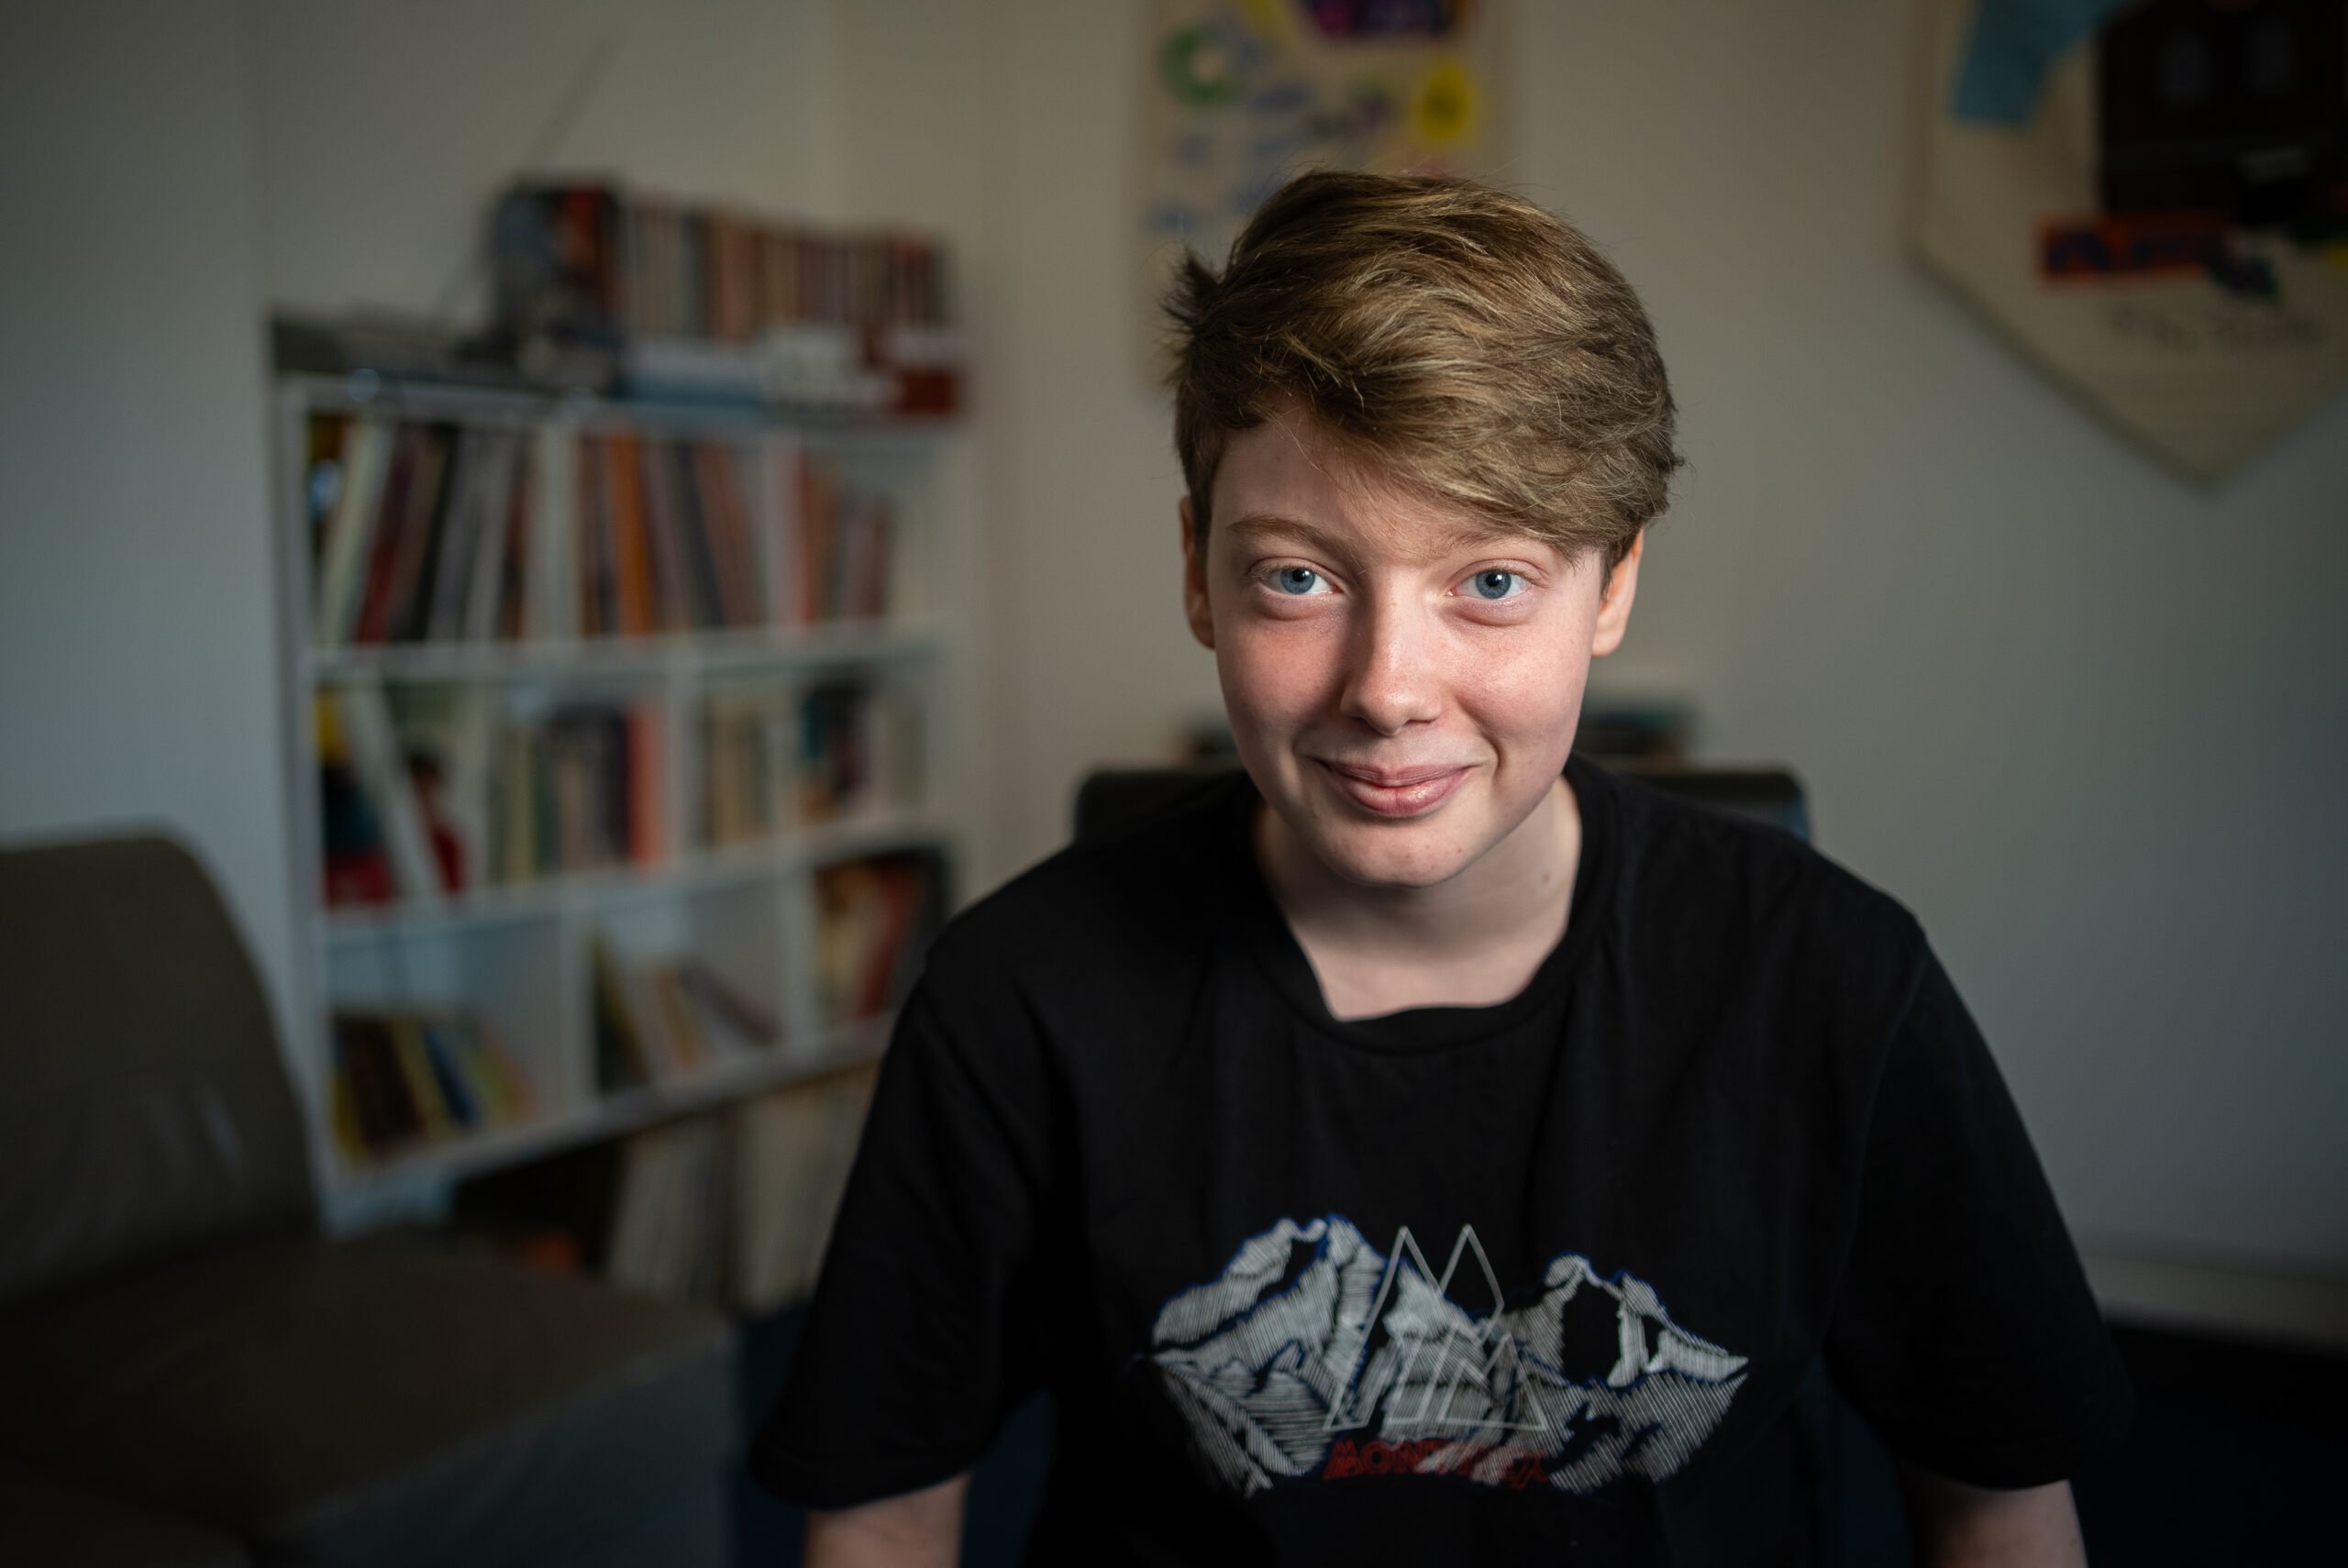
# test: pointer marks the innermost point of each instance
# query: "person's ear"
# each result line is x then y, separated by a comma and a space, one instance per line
1194, 585
1614, 608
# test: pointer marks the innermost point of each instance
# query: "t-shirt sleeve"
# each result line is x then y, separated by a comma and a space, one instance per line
1964, 1329
919, 1340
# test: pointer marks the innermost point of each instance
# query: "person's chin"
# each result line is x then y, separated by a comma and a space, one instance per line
1374, 856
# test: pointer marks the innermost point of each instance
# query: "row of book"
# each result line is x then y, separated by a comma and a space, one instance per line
664, 538
874, 918
733, 1208
405, 1079
666, 1020
742, 790
432, 788
427, 790
430, 531
589, 261
851, 748
419, 531
666, 541
859, 749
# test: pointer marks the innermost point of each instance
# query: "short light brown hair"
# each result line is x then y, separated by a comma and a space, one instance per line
1477, 347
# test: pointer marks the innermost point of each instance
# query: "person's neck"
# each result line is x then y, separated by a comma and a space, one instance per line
1518, 894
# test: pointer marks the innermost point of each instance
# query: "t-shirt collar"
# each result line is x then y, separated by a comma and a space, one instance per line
1265, 930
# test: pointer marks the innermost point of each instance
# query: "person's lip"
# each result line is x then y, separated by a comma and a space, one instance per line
1426, 790
1397, 778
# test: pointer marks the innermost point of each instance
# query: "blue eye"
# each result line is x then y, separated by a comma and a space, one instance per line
1495, 586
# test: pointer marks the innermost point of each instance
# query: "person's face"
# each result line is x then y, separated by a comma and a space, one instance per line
1361, 628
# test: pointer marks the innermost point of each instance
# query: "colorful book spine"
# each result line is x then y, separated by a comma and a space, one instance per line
647, 786
624, 494
405, 1079
376, 760
874, 918
347, 539
365, 619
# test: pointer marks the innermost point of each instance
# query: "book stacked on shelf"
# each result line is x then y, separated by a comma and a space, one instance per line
667, 540
874, 918
858, 743
794, 1149
407, 1079
667, 1022
429, 789
742, 792
733, 1209
667, 1235
420, 532
580, 791
839, 569
590, 257
574, 680
434, 533
590, 264
378, 847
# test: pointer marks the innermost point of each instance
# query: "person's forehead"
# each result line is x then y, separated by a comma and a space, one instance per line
1285, 481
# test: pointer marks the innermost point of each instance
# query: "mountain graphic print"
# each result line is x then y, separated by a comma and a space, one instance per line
1315, 1355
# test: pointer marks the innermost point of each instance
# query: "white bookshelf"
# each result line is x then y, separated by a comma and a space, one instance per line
516, 953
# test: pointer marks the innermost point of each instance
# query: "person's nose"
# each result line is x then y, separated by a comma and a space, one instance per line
1393, 665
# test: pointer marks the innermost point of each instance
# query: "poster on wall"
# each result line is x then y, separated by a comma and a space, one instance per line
2151, 198
1243, 93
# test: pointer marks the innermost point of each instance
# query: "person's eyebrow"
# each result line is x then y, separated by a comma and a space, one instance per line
1259, 527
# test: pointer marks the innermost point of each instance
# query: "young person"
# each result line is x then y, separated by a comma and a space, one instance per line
1425, 1146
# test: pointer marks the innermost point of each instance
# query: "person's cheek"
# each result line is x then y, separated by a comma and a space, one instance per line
1271, 675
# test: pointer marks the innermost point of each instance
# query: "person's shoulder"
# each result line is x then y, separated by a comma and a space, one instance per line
1693, 866
1141, 885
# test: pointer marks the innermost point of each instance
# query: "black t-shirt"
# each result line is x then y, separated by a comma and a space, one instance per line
1451, 1284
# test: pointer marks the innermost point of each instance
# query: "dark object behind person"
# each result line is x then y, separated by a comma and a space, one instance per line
190, 1375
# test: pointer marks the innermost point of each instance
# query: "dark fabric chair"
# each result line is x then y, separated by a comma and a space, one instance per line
1860, 1517
190, 1373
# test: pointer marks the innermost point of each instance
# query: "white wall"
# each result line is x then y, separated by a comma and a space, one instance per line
384, 131
137, 610
1013, 125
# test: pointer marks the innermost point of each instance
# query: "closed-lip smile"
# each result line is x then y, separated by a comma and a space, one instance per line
1393, 780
